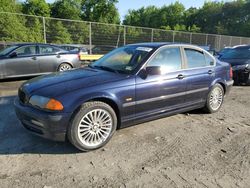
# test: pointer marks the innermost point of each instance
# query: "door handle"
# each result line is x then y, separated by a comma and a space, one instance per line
210, 72
34, 58
180, 76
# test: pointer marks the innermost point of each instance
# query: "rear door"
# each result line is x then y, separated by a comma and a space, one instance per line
48, 58
157, 94
24, 63
199, 73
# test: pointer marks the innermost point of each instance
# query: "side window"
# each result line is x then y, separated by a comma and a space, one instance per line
195, 58
48, 50
26, 51
96, 50
209, 60
169, 59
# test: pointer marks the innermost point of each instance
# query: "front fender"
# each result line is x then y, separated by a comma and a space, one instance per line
72, 105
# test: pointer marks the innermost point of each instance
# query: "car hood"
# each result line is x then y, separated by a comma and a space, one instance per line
235, 62
63, 82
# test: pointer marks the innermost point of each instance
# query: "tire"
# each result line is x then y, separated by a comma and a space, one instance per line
86, 130
64, 67
215, 99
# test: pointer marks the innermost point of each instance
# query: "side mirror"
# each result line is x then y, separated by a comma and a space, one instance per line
13, 54
154, 70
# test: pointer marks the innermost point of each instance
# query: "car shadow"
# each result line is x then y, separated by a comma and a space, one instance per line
16, 140
197, 112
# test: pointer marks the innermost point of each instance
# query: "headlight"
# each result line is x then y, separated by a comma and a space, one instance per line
45, 103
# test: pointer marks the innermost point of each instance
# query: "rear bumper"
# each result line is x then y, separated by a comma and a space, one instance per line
44, 124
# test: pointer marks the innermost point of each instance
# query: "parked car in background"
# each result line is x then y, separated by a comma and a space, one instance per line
228, 49
3, 45
78, 49
31, 59
239, 58
223, 51
130, 85
102, 49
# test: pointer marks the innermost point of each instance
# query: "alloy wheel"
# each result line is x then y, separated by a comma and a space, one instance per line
95, 127
64, 67
216, 98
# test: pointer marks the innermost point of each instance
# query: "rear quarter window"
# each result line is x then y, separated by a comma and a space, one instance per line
209, 60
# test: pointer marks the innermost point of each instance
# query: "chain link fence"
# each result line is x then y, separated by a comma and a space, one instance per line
16, 27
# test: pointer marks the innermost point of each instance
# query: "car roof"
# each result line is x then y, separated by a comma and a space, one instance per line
152, 44
30, 43
108, 46
160, 44
242, 47
71, 45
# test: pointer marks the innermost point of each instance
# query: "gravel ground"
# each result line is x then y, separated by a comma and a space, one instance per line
185, 150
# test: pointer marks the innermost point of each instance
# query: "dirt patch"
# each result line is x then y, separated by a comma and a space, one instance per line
185, 150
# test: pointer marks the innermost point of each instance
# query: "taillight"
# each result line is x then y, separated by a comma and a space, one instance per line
79, 56
231, 72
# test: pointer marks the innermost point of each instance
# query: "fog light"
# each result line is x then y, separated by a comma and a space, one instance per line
37, 123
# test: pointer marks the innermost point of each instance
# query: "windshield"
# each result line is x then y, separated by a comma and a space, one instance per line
225, 50
7, 50
123, 60
238, 53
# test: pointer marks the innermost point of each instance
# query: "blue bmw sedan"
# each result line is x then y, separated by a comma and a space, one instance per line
130, 85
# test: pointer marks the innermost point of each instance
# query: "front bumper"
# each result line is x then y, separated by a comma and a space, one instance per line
52, 126
241, 76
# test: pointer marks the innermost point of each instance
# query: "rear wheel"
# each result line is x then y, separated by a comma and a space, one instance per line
64, 67
215, 99
93, 126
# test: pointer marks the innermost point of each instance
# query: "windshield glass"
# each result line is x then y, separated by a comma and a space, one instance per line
7, 50
238, 53
123, 60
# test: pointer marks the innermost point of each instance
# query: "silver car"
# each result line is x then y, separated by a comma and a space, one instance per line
33, 59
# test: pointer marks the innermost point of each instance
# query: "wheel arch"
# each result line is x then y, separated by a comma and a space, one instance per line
106, 100
221, 82
223, 86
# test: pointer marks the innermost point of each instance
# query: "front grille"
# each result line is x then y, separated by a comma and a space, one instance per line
22, 96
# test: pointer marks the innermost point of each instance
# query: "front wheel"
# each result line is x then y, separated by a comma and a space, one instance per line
93, 126
215, 99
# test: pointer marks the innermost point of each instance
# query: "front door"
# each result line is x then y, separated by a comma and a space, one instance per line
162, 92
24, 63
